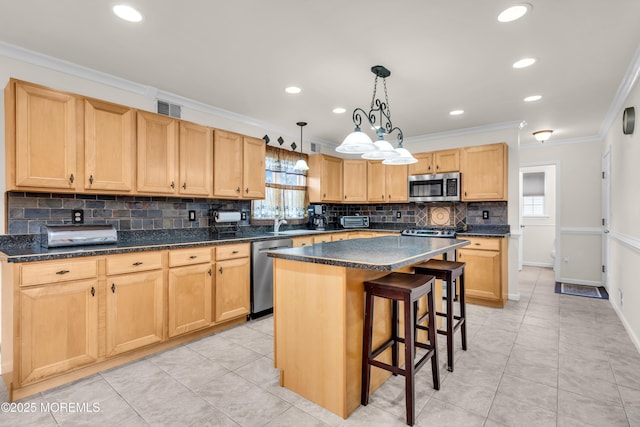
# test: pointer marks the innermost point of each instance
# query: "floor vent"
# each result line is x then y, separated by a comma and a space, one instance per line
168, 109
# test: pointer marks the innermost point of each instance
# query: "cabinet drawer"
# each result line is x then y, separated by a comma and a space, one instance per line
302, 241
483, 243
189, 256
60, 271
232, 251
137, 261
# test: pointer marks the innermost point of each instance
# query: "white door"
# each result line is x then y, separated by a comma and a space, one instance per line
606, 213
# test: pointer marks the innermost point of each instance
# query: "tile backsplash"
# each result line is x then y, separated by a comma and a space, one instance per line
27, 212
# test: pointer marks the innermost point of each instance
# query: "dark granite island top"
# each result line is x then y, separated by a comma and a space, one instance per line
384, 253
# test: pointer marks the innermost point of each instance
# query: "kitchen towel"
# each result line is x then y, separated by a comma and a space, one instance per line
229, 216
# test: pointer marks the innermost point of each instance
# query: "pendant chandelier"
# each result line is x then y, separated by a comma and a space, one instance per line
379, 118
301, 165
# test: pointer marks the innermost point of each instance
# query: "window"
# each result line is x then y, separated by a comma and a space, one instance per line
286, 189
533, 203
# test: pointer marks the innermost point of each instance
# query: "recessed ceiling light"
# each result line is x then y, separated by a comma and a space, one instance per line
339, 110
293, 89
127, 13
533, 98
456, 112
514, 12
524, 62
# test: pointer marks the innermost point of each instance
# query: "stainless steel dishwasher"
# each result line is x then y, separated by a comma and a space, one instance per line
262, 275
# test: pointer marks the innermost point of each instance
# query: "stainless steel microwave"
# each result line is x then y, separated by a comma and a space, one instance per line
441, 187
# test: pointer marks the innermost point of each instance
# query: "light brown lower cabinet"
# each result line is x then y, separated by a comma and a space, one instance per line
189, 304
59, 326
232, 288
485, 271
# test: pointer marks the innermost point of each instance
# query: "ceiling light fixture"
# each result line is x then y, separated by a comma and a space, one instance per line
293, 89
379, 118
127, 13
456, 112
514, 12
533, 98
524, 62
301, 165
542, 135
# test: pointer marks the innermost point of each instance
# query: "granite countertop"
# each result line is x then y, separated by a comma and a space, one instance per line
486, 231
384, 253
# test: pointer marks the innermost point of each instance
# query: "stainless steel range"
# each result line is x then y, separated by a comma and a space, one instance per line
448, 233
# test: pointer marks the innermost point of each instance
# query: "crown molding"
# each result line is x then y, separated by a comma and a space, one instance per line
464, 131
566, 141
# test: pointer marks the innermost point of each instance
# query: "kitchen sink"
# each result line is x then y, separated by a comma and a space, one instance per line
294, 232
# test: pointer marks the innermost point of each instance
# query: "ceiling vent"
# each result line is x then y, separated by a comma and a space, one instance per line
168, 109
314, 148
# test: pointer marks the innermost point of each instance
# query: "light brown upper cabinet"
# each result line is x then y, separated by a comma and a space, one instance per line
238, 166
41, 129
484, 171
109, 146
387, 183
157, 153
195, 160
354, 180
436, 162
324, 179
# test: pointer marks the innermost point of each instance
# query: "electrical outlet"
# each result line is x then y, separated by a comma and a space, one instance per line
485, 214
192, 215
398, 214
243, 216
77, 216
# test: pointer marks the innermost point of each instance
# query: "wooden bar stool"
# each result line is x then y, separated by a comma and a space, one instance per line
407, 288
451, 272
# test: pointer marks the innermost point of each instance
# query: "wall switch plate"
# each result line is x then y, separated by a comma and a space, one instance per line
243, 216
192, 215
77, 216
398, 214
485, 214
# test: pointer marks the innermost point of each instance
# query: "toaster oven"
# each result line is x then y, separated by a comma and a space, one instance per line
355, 221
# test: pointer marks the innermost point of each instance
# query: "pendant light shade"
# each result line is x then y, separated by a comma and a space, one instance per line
404, 158
357, 142
384, 150
301, 165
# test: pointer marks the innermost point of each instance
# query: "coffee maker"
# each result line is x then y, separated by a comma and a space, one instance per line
317, 217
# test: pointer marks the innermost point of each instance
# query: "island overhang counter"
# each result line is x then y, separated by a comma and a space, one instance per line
319, 310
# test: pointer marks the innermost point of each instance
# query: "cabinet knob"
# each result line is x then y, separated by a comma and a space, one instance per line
238, 190
246, 190
184, 186
113, 288
220, 270
324, 195
345, 197
193, 257
465, 194
137, 263
173, 185
90, 179
437, 167
234, 252
383, 197
209, 272
429, 168
71, 179
93, 291
61, 272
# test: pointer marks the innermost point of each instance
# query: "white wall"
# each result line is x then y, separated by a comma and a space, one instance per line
539, 233
624, 236
579, 242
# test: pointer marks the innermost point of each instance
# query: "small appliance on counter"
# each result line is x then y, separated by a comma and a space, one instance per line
57, 236
354, 221
317, 217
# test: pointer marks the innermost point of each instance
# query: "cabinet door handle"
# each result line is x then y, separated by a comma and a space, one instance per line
465, 194
184, 186
383, 197
61, 272
220, 270
389, 197
193, 257
429, 168
137, 263
238, 190
234, 252
113, 288
246, 190
477, 244
93, 291
460, 255
345, 197
90, 179
324, 195
72, 178
173, 185
210, 272
437, 167
303, 244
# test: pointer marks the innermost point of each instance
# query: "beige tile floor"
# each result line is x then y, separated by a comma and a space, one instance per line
547, 360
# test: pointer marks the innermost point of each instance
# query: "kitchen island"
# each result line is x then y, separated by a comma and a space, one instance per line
319, 310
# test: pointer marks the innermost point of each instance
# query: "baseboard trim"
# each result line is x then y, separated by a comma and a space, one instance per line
537, 264
627, 327
514, 297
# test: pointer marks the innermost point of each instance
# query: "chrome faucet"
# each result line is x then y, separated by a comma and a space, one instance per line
277, 223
